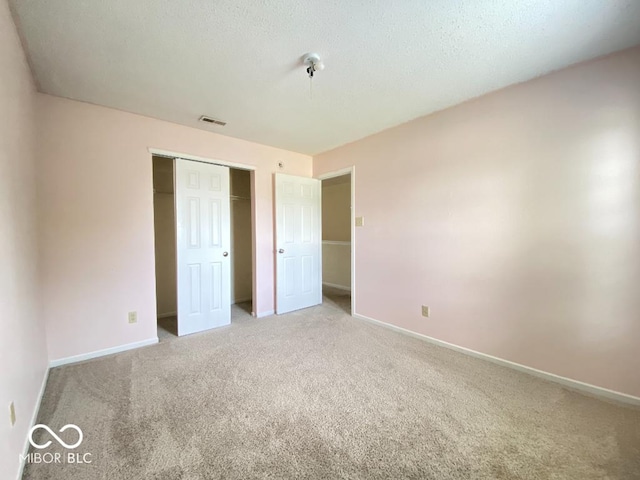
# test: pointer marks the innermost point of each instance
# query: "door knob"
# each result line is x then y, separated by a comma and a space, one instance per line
281, 250
225, 254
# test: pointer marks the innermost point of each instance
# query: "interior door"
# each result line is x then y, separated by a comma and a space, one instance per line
202, 246
298, 243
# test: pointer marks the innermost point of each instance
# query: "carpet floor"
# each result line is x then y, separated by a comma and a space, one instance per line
317, 394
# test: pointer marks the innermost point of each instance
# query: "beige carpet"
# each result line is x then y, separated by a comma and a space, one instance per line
317, 394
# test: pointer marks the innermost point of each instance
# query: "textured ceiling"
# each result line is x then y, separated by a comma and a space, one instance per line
239, 60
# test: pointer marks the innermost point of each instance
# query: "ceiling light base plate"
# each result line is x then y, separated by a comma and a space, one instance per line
311, 59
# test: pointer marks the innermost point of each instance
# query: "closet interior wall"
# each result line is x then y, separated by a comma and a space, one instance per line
241, 268
164, 222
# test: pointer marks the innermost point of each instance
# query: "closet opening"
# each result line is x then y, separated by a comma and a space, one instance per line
231, 211
241, 240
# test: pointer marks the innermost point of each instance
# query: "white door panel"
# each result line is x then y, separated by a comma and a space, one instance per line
298, 243
202, 244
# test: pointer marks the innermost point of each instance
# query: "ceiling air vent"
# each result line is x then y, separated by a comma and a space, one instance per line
206, 119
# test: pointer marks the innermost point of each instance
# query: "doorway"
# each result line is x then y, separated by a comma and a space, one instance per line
177, 283
337, 240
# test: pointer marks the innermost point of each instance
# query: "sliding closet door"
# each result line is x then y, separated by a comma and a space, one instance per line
202, 246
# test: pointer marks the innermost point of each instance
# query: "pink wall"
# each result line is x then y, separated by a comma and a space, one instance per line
516, 218
23, 355
96, 213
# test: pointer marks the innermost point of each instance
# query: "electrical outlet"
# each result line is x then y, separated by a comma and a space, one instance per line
12, 413
133, 317
359, 221
425, 311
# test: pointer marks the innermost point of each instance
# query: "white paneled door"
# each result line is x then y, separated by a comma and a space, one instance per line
202, 246
298, 243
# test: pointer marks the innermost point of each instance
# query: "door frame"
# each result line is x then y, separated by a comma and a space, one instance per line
241, 166
338, 173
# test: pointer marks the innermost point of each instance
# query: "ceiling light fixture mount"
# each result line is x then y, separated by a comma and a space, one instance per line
314, 64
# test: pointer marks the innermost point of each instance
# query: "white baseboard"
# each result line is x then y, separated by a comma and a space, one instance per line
34, 419
336, 286
102, 353
567, 382
166, 315
267, 313
241, 300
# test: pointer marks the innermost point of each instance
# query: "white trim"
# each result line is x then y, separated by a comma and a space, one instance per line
567, 382
336, 286
197, 158
335, 242
34, 419
338, 173
266, 313
102, 353
353, 238
254, 242
166, 315
241, 300
335, 173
